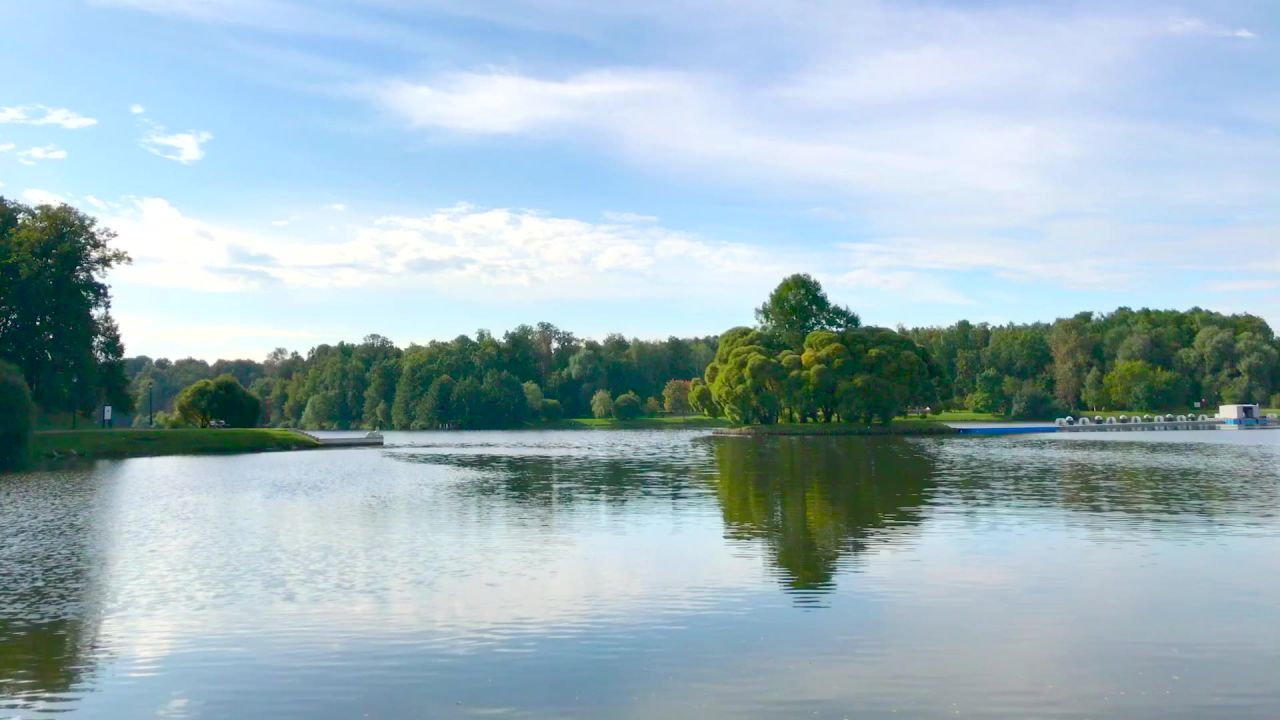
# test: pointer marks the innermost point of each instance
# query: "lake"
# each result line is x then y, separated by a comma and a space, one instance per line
664, 574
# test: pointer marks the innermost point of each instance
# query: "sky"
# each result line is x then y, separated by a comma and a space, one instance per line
294, 172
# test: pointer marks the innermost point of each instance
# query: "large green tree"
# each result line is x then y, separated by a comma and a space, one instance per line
224, 398
797, 307
55, 322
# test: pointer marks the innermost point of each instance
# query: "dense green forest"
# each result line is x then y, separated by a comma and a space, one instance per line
806, 359
1123, 360
530, 373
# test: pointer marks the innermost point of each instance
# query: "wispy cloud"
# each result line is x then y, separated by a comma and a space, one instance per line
183, 147
1235, 286
36, 196
1196, 26
462, 246
136, 109
44, 115
33, 155
629, 217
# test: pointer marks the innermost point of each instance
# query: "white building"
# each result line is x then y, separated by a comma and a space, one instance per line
1240, 414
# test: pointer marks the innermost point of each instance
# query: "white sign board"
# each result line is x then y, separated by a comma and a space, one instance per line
106, 412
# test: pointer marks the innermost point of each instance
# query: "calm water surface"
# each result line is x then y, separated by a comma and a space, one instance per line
652, 575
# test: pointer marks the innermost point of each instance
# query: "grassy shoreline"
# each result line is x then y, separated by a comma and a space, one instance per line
899, 427
689, 422
123, 443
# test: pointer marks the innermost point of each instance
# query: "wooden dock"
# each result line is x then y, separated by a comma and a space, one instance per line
373, 439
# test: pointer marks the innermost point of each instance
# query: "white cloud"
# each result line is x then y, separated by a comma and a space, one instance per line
44, 115
186, 147
96, 203
530, 253
994, 140
33, 155
282, 222
337, 207
6, 147
629, 217
505, 103
920, 287
137, 109
1234, 286
1196, 26
35, 196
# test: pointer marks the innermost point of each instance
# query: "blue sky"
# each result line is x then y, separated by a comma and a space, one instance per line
290, 172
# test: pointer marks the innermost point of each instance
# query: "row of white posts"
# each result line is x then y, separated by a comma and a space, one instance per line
1069, 421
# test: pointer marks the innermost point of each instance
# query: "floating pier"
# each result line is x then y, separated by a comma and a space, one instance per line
1229, 417
370, 439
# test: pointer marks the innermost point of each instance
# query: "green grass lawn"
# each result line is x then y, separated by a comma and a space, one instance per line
966, 416
672, 422
140, 443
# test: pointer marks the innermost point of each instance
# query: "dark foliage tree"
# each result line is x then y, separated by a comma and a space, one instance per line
224, 398
799, 306
55, 322
16, 410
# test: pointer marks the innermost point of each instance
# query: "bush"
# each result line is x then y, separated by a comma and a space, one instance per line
551, 410
601, 404
16, 411
627, 406
652, 407
1034, 404
1275, 401
222, 398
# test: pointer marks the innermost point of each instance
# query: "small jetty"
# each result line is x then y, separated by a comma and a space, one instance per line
369, 439
1229, 417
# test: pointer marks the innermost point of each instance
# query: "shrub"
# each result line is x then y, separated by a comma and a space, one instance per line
675, 396
601, 404
551, 410
627, 406
1034, 403
16, 411
652, 407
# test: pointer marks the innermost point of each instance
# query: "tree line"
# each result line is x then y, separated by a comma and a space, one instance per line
806, 360
1148, 360
533, 373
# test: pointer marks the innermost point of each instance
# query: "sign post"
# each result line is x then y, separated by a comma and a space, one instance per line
106, 416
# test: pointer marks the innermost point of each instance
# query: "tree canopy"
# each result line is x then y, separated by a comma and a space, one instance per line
15, 417
1147, 360
222, 398
55, 322
799, 306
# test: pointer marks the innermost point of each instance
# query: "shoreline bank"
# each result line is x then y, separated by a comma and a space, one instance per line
131, 442
898, 428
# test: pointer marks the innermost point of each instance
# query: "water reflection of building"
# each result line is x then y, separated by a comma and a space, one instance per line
47, 559
820, 502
